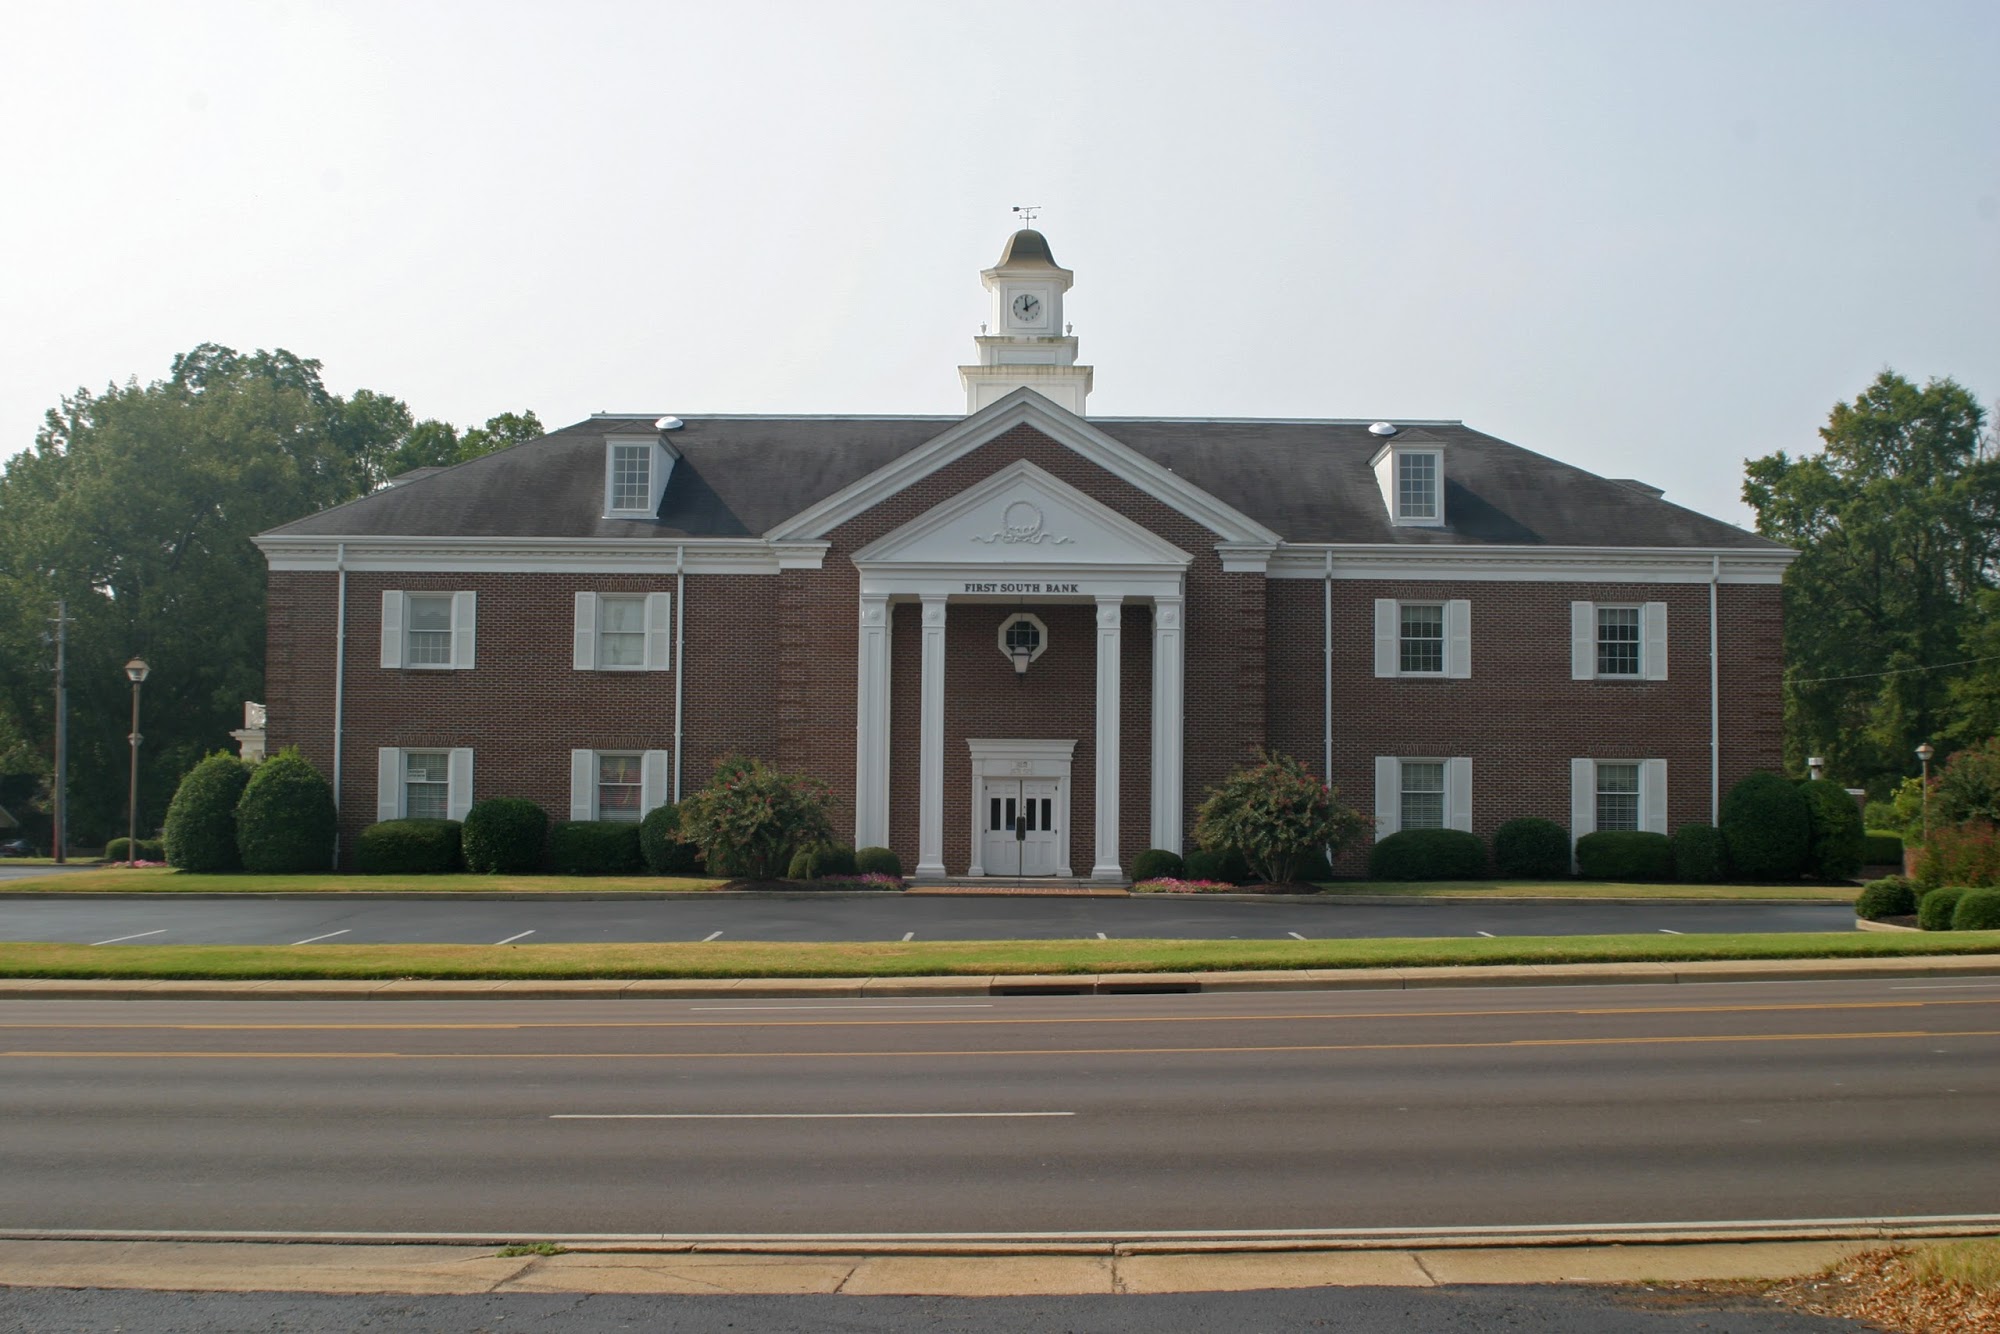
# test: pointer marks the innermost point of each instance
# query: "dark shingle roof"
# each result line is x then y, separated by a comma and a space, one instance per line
1308, 481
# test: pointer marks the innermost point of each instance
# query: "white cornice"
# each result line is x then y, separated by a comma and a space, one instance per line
541, 555
1024, 407
1512, 564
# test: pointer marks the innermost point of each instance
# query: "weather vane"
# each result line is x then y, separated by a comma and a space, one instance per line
1027, 212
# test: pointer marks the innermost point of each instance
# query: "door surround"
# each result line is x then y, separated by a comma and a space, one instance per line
1014, 759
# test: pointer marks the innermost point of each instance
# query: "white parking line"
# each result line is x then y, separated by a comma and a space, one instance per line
793, 1116
713, 935
511, 939
1295, 935
909, 935
1669, 931
1488, 934
1102, 936
142, 935
328, 936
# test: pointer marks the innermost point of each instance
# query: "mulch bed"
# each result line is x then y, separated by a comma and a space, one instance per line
1877, 1287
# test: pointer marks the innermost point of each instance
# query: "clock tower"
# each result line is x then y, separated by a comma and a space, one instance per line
1026, 341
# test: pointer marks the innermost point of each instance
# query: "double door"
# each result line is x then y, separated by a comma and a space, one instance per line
1020, 836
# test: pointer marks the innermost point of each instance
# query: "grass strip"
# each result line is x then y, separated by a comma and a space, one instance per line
1584, 889
740, 959
166, 880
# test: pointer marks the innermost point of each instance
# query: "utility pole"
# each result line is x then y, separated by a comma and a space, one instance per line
59, 822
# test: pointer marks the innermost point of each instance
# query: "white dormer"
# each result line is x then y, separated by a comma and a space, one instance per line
1412, 480
636, 468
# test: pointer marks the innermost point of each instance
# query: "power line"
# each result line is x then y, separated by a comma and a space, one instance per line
1900, 671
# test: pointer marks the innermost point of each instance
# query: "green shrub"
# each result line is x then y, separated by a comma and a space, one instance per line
1625, 854
505, 836
1966, 854
1276, 814
1531, 849
285, 824
660, 843
1701, 855
594, 847
1837, 834
1880, 849
1968, 786
1892, 896
1935, 908
751, 818
820, 861
150, 850
1768, 827
1221, 864
409, 847
878, 861
1158, 864
200, 833
1428, 854
1978, 910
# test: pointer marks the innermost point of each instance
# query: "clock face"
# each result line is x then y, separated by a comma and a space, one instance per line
1028, 308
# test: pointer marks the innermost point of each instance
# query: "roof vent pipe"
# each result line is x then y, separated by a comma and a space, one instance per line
1382, 429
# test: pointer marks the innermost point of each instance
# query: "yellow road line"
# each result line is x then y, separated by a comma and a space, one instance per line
1678, 1039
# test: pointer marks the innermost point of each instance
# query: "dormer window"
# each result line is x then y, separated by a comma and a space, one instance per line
636, 469
1412, 482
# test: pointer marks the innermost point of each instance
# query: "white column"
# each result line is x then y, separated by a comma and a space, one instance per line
871, 727
1105, 863
1169, 683
930, 768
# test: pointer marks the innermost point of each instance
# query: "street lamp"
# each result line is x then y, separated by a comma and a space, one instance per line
137, 671
1924, 753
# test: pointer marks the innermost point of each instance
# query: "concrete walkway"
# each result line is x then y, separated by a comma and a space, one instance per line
251, 1267
1304, 979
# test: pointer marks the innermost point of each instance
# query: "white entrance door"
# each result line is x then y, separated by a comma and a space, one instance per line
1019, 830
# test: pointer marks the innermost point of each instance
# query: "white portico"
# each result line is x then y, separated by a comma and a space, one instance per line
1020, 537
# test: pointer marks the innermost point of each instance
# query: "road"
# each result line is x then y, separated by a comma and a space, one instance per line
172, 920
1127, 1115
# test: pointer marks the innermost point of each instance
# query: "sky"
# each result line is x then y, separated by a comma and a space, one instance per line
1649, 239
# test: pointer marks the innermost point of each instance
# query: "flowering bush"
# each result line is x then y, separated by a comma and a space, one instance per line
1168, 885
865, 880
750, 818
1966, 854
1277, 815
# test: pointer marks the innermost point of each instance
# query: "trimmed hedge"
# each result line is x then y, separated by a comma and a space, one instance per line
1625, 854
1892, 896
820, 861
1768, 827
200, 832
285, 823
661, 846
504, 836
1837, 832
1428, 854
1158, 864
1701, 855
1978, 910
150, 850
1531, 849
595, 847
1935, 909
878, 861
409, 847
1882, 849
1228, 864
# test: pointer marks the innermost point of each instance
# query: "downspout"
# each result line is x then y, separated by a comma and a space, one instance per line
680, 655
1714, 704
1326, 770
339, 688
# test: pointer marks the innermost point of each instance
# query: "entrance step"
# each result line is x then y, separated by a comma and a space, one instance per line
987, 884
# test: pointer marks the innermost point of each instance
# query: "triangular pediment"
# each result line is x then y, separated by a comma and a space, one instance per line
1021, 516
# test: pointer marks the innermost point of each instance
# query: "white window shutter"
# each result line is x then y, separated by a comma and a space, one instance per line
1653, 796
1655, 622
1458, 794
1388, 794
652, 780
656, 631
458, 786
1582, 798
1583, 641
388, 783
1458, 638
1388, 637
464, 612
392, 627
582, 784
585, 655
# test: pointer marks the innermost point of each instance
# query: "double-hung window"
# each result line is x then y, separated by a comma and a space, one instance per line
1618, 641
631, 477
423, 783
622, 632
426, 784
1421, 648
1617, 796
1422, 792
1423, 638
1416, 486
428, 630
616, 784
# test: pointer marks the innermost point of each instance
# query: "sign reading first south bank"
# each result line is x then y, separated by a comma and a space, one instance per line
1019, 588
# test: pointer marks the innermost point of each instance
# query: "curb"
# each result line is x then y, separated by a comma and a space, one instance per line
779, 895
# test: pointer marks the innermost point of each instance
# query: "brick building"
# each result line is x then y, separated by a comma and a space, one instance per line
1023, 641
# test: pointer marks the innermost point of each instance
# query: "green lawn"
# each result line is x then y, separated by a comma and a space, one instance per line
725, 959
165, 880
1586, 889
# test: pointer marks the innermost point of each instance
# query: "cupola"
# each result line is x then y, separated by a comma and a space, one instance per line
1026, 342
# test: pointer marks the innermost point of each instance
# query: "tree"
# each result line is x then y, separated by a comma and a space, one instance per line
1276, 814
1897, 520
751, 818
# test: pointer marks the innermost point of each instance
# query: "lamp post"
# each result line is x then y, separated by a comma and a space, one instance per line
1924, 753
136, 670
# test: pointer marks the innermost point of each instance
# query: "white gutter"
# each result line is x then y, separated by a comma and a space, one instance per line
339, 688
1714, 704
680, 655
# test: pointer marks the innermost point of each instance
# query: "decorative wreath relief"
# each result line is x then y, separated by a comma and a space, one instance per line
1021, 525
